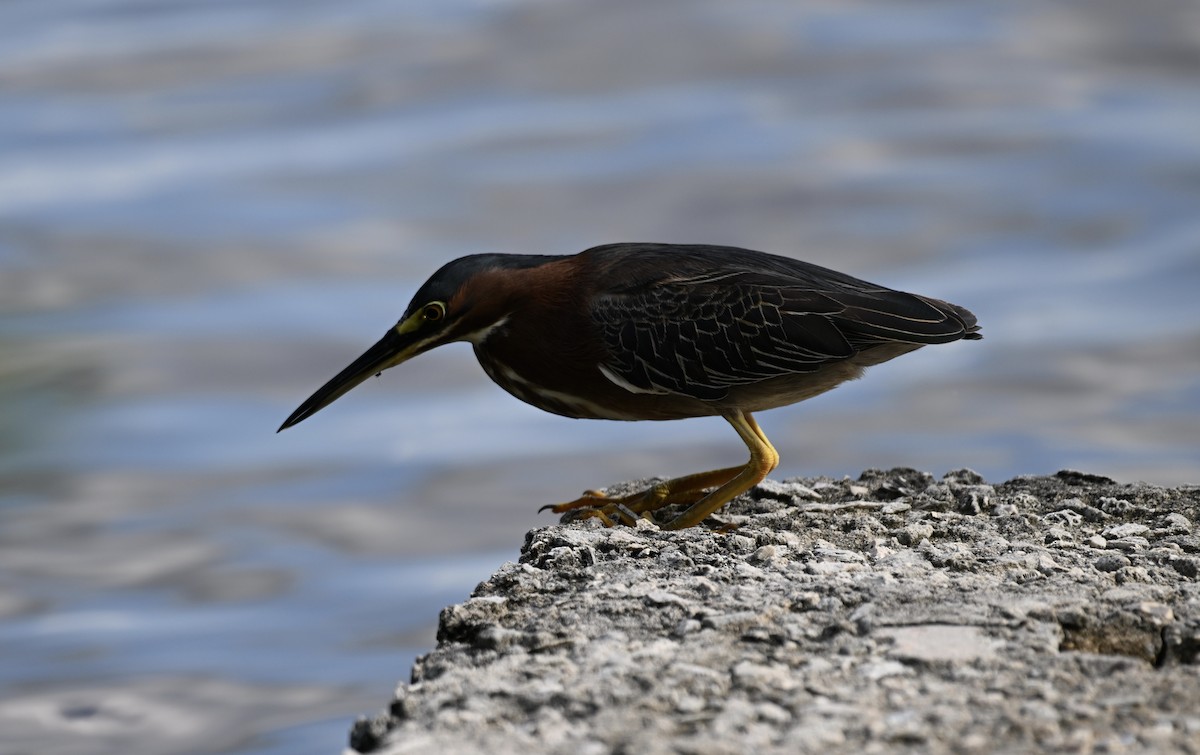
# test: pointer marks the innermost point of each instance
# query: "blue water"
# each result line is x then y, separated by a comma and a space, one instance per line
207, 209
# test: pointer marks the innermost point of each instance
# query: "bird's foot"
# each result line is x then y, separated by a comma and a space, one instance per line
625, 509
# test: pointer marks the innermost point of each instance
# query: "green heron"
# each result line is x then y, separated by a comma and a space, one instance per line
658, 332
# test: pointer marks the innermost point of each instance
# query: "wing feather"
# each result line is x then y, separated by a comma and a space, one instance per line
719, 320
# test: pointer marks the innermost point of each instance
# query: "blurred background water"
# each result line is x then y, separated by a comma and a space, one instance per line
209, 208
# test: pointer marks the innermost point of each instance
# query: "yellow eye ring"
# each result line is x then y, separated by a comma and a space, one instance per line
433, 311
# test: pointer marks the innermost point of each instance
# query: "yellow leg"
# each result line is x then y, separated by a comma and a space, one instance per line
763, 458
688, 490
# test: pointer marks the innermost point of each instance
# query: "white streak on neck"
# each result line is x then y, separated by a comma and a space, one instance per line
479, 336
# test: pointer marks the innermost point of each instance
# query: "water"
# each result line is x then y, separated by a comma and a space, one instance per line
207, 209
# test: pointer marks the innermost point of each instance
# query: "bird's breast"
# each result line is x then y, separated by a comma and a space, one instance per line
547, 352
571, 384
548, 395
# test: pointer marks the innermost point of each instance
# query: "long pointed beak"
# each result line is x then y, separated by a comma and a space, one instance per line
390, 351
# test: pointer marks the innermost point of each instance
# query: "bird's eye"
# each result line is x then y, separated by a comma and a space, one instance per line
433, 311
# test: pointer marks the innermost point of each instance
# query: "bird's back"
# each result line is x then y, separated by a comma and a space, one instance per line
718, 323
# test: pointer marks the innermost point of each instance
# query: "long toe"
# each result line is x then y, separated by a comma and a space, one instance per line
627, 509
590, 499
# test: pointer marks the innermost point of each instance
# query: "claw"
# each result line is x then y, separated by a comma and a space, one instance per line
630, 518
579, 515
610, 514
589, 500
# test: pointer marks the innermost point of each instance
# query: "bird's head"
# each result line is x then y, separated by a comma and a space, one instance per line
463, 301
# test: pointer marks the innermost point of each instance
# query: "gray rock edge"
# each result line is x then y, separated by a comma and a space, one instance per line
892, 613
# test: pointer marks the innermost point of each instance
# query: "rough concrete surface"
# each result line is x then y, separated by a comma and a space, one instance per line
893, 613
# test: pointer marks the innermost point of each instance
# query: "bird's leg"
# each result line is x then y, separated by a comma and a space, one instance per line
763, 458
688, 490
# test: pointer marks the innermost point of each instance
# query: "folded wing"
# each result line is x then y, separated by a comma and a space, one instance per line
702, 335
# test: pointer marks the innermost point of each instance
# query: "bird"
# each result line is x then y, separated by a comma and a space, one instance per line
654, 331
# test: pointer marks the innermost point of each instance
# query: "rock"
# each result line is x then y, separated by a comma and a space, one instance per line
940, 642
1110, 562
894, 612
